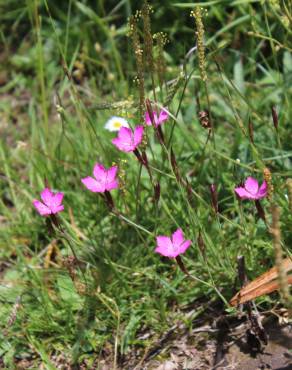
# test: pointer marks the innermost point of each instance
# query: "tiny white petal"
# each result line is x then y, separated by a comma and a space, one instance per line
115, 123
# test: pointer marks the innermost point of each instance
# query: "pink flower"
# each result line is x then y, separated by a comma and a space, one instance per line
51, 203
251, 189
172, 247
105, 180
158, 120
127, 140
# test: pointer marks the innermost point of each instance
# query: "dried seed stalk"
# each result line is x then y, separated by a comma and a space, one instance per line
138, 52
275, 118
160, 64
15, 309
250, 131
268, 179
197, 14
289, 186
51, 251
214, 197
282, 275
148, 42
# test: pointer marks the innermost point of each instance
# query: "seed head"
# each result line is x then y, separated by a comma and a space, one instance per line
197, 14
160, 64
138, 52
148, 41
268, 178
204, 119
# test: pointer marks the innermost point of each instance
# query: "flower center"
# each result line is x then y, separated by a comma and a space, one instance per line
117, 124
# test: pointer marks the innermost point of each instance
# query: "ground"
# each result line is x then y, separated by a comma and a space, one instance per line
88, 290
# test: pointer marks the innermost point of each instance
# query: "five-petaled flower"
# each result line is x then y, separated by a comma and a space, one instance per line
127, 140
252, 190
105, 180
174, 246
51, 203
116, 123
158, 119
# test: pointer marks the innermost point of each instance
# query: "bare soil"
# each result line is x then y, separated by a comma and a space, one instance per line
229, 343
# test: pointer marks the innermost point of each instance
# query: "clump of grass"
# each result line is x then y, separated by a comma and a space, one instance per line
102, 283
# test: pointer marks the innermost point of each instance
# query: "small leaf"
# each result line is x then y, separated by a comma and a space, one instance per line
130, 332
287, 62
68, 292
239, 76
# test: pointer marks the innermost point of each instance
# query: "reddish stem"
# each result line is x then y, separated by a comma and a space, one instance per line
181, 265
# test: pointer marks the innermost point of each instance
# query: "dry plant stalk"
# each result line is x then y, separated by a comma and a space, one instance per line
268, 179
15, 309
275, 118
161, 41
282, 274
197, 14
289, 186
251, 131
70, 263
122, 163
52, 251
148, 42
138, 52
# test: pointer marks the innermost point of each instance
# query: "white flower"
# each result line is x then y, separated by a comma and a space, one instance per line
115, 123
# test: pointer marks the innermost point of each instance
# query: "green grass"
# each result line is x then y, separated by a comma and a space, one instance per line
52, 130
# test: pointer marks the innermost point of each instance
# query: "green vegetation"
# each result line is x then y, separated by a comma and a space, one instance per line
86, 293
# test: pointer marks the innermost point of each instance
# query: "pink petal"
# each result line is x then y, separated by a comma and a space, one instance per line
93, 185
173, 253
184, 246
99, 172
163, 116
164, 246
56, 203
163, 241
243, 194
112, 185
125, 134
138, 135
57, 209
251, 185
118, 143
42, 209
111, 181
123, 146
148, 119
177, 238
262, 190
165, 252
57, 199
161, 251
47, 196
124, 141
111, 173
